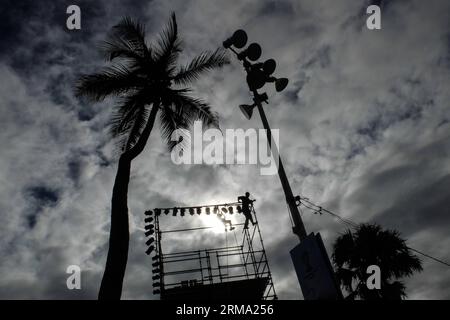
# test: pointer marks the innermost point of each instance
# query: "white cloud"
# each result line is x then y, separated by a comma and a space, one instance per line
363, 127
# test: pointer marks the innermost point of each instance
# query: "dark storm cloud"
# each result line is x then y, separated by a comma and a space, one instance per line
43, 195
39, 197
425, 199
410, 215
276, 7
364, 131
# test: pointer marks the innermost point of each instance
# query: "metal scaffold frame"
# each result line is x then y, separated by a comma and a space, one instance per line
192, 270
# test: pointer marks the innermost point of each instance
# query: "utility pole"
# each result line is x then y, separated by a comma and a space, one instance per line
311, 262
258, 74
299, 227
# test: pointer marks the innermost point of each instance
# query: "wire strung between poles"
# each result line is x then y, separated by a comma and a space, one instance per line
319, 209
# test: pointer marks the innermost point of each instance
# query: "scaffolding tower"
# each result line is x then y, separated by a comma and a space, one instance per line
238, 270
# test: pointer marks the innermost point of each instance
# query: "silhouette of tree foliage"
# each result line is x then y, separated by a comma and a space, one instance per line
145, 79
367, 245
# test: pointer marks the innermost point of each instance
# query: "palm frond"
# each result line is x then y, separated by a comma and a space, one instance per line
370, 244
193, 108
343, 249
124, 118
171, 121
127, 40
393, 291
179, 111
138, 126
132, 30
345, 277
206, 61
124, 113
114, 80
169, 46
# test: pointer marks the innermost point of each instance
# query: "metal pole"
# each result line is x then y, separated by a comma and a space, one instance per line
299, 228
257, 75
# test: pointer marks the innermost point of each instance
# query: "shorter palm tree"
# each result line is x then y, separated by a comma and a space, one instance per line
367, 245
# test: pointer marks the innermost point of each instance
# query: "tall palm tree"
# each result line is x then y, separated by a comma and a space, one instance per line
145, 79
369, 245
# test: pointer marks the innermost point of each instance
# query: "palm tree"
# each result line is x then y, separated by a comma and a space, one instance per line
369, 245
145, 79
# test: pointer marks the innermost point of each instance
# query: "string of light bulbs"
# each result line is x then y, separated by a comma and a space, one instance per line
228, 207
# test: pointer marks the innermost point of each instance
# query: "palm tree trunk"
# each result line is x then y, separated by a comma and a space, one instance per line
111, 287
119, 237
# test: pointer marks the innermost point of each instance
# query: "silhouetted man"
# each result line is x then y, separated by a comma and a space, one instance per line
246, 203
225, 221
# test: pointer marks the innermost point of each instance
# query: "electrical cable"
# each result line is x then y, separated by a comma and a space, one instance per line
318, 209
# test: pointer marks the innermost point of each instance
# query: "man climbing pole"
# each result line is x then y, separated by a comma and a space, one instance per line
225, 222
246, 204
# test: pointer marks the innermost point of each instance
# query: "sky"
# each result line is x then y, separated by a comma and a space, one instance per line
364, 131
